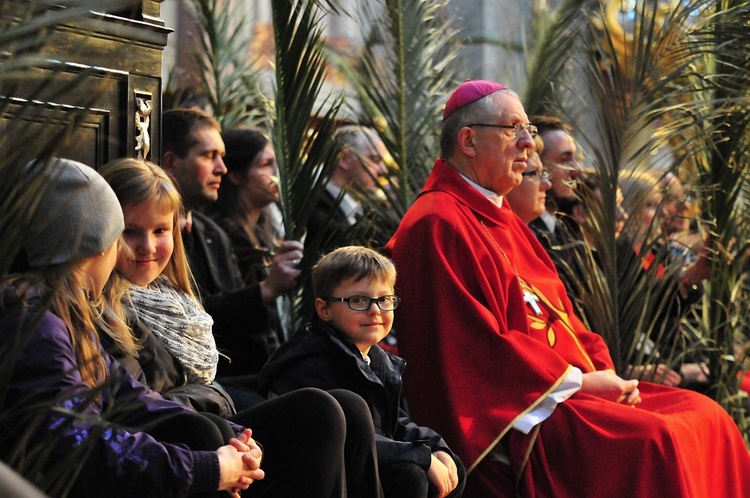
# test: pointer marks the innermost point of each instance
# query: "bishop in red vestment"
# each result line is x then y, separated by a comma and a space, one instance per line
500, 365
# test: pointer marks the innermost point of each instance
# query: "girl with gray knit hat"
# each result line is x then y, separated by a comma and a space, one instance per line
63, 391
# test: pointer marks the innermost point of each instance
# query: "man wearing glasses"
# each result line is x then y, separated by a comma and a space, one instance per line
499, 363
360, 167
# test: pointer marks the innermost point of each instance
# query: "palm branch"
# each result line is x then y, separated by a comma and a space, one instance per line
29, 132
228, 77
549, 61
303, 122
672, 75
723, 174
25, 33
401, 79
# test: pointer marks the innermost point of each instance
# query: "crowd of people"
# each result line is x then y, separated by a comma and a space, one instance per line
147, 321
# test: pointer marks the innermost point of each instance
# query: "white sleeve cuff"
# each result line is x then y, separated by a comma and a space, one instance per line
567, 388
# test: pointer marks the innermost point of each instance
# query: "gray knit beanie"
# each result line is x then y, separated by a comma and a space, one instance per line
78, 215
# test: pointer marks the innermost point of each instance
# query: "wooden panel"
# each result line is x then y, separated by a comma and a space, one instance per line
76, 86
85, 132
97, 67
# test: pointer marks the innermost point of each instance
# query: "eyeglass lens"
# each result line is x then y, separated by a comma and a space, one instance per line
362, 303
518, 128
537, 176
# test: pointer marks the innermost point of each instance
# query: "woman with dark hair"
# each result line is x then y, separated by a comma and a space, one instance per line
246, 210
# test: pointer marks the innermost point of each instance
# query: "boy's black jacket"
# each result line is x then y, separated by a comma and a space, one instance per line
319, 356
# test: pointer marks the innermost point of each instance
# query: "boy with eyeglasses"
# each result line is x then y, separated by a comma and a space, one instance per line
339, 349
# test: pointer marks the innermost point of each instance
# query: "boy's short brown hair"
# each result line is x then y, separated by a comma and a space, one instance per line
355, 262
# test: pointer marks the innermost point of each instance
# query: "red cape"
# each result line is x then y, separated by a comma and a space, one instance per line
479, 358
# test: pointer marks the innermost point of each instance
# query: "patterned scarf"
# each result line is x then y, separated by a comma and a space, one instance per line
182, 327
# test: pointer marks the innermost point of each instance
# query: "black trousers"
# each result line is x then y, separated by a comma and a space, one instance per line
315, 444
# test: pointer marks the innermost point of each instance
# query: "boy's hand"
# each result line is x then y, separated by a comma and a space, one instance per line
442, 473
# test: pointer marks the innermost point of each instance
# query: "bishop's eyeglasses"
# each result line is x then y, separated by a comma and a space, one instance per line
363, 303
517, 128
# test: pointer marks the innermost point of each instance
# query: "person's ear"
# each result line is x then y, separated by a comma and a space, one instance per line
323, 309
168, 160
344, 160
467, 141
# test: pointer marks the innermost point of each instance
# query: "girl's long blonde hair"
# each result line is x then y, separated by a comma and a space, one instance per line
65, 288
134, 182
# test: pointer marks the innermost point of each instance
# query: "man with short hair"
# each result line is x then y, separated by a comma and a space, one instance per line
361, 164
559, 158
192, 154
499, 363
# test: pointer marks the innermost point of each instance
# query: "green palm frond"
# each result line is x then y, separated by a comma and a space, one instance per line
675, 80
33, 129
402, 79
303, 121
26, 31
229, 77
723, 175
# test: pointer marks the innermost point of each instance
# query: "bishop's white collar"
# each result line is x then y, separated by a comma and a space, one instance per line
495, 199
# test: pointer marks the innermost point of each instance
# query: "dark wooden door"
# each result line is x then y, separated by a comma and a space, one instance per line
95, 92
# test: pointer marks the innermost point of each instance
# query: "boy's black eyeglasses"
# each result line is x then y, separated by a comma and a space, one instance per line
517, 128
363, 303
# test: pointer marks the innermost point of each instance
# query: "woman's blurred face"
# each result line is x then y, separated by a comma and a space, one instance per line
259, 186
651, 208
676, 213
528, 199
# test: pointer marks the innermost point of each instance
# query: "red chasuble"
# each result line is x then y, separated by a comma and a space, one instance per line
488, 333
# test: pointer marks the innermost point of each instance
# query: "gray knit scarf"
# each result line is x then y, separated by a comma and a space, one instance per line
182, 327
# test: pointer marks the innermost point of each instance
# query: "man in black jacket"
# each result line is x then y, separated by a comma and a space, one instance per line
360, 166
192, 154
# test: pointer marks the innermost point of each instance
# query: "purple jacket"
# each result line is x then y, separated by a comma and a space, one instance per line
122, 462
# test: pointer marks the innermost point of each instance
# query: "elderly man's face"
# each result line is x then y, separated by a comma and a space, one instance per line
500, 155
366, 163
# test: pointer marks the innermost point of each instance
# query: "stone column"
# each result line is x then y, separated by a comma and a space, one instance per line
494, 34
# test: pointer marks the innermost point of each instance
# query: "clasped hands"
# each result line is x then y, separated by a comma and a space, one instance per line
239, 462
608, 385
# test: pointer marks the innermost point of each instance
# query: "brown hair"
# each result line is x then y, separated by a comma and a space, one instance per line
64, 287
178, 127
243, 146
355, 262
